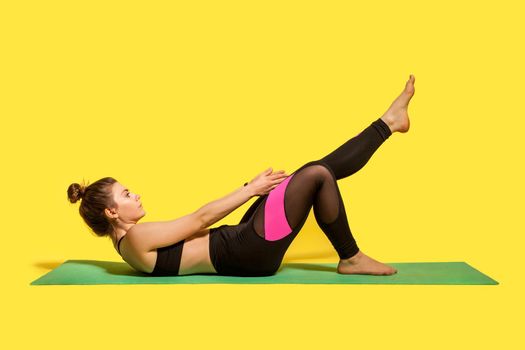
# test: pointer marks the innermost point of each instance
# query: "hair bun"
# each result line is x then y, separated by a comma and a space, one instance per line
75, 192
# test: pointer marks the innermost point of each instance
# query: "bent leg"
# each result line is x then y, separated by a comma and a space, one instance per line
287, 207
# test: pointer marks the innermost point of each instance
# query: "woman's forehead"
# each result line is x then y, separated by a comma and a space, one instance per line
119, 188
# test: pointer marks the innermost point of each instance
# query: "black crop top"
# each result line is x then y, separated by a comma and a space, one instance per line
118, 244
168, 259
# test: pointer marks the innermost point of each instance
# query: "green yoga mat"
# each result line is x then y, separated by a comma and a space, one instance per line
104, 272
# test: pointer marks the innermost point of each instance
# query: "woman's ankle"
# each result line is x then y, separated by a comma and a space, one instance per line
390, 121
353, 259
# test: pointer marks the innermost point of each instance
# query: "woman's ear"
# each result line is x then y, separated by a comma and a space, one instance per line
110, 213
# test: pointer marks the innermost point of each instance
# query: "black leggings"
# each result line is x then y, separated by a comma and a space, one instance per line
256, 246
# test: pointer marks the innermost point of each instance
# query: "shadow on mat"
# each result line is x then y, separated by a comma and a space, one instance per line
123, 269
111, 267
306, 267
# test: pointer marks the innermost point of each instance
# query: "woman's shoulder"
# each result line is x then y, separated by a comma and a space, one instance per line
138, 226
139, 229
132, 252
142, 227
153, 235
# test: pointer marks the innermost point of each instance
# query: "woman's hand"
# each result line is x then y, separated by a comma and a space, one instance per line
266, 181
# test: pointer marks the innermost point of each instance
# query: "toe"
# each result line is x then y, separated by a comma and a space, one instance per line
409, 88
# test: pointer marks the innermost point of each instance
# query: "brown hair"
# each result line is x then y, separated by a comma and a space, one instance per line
95, 198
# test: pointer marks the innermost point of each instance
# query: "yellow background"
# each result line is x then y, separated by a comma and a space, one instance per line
183, 102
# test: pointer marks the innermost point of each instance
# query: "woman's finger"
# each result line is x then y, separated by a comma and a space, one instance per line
267, 171
278, 176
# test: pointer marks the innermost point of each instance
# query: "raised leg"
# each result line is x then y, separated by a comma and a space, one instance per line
355, 153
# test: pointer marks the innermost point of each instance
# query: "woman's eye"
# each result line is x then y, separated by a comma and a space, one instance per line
127, 194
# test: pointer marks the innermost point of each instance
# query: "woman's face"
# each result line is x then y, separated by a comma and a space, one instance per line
129, 207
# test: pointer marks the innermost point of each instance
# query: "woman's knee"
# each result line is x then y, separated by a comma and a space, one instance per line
318, 170
327, 170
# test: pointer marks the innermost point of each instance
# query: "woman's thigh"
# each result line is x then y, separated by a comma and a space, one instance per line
239, 251
259, 243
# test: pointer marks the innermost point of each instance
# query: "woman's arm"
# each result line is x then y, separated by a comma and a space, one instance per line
261, 185
218, 209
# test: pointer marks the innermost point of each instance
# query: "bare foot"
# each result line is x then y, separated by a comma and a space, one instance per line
396, 117
364, 265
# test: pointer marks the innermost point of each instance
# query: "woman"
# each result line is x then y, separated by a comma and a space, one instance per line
255, 246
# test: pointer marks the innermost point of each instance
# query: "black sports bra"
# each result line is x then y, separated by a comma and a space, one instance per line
118, 244
168, 259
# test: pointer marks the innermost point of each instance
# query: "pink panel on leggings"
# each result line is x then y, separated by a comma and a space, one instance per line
275, 224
